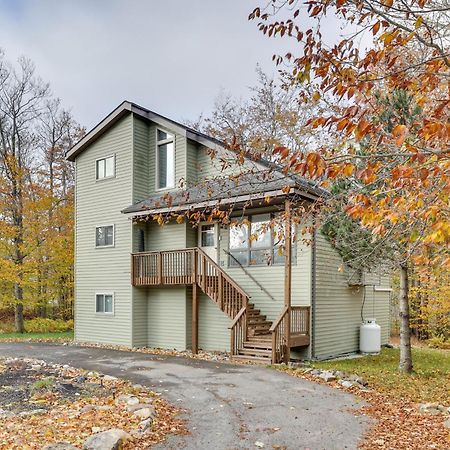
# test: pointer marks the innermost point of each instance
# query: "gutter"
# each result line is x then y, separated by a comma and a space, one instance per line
207, 203
313, 292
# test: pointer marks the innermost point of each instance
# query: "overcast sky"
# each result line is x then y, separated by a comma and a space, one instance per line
172, 56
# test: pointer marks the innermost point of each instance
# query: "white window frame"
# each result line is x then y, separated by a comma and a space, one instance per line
248, 248
112, 313
158, 143
113, 236
113, 156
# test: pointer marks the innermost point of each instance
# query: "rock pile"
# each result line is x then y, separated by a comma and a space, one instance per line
434, 409
343, 378
55, 377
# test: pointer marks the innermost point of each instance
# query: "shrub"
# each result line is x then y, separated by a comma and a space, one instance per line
7, 327
41, 325
439, 342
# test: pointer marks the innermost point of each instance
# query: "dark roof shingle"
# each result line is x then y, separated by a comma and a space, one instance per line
225, 190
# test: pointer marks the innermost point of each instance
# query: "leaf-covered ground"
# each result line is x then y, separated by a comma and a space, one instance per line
393, 398
54, 403
430, 381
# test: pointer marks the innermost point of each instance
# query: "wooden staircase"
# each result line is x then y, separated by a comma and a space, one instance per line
253, 337
258, 345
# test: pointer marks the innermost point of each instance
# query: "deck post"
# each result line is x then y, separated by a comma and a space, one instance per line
133, 272
159, 267
194, 318
220, 289
203, 262
287, 276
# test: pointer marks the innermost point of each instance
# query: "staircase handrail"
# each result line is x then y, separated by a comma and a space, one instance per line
251, 277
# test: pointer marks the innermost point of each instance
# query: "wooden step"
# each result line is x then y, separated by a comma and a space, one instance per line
258, 344
260, 328
255, 359
260, 338
255, 352
257, 317
259, 323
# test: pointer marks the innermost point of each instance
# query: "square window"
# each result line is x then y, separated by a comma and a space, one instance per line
105, 168
104, 303
104, 236
257, 241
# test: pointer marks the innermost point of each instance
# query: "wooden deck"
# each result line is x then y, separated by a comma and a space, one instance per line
252, 335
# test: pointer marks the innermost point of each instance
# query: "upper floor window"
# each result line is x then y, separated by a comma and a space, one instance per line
165, 160
105, 168
104, 236
255, 241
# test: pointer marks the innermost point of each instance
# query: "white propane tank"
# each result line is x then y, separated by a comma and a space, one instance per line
370, 337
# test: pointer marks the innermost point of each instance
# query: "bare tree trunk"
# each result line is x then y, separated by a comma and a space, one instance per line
405, 330
18, 308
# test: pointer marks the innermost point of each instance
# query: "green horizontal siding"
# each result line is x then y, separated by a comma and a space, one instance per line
107, 269
167, 317
338, 306
222, 163
213, 332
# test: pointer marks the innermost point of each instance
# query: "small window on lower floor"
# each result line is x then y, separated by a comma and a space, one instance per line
104, 303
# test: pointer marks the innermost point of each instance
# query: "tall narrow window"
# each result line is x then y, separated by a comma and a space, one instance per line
105, 168
239, 244
165, 160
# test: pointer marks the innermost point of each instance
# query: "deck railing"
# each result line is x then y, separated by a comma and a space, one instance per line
297, 318
166, 267
194, 266
238, 329
188, 266
300, 320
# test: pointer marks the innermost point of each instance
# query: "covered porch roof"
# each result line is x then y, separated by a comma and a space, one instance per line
230, 191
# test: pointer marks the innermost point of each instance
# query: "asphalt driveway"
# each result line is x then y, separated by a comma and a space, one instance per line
226, 406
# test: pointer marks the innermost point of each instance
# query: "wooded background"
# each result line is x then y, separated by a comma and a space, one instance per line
36, 198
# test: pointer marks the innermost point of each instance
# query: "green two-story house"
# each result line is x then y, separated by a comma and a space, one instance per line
210, 285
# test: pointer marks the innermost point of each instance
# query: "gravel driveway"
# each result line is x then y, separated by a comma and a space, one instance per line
227, 406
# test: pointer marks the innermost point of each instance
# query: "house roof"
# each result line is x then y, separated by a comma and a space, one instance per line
127, 107
227, 192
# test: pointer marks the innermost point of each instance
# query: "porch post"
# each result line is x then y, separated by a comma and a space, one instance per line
287, 276
194, 318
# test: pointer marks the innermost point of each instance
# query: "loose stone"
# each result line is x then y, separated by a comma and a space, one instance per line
107, 440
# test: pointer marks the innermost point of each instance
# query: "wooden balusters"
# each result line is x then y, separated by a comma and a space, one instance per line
193, 266
300, 319
188, 266
280, 343
238, 330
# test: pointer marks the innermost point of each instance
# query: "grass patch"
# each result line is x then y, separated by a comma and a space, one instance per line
429, 383
43, 383
62, 335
